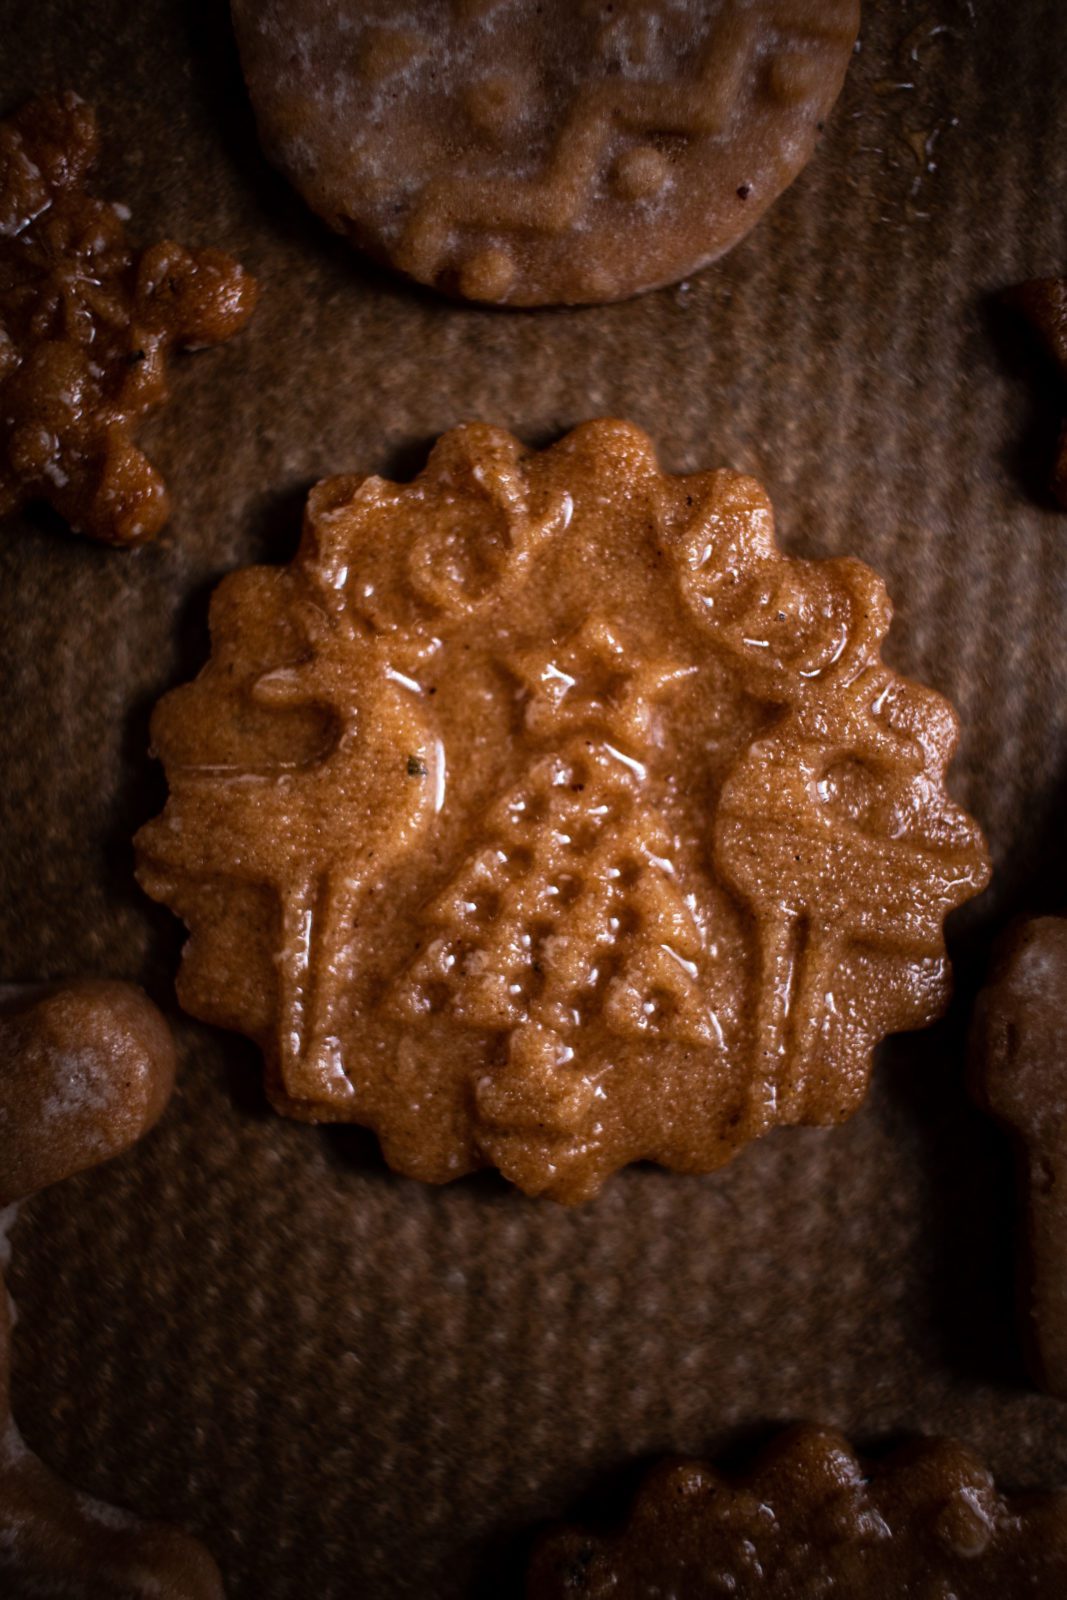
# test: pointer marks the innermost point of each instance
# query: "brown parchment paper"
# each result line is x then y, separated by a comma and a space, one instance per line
350, 1385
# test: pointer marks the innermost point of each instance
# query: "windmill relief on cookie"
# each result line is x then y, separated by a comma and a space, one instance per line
326, 828
569, 916
834, 825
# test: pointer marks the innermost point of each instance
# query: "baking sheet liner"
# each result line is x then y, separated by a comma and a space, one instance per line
350, 1384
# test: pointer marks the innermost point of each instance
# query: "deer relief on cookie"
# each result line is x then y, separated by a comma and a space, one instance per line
834, 826
541, 814
303, 759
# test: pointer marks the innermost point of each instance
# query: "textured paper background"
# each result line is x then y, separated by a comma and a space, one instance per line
351, 1385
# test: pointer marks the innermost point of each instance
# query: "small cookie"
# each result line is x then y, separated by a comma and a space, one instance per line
86, 1068
1043, 301
86, 324
809, 1520
529, 154
543, 814
1020, 1076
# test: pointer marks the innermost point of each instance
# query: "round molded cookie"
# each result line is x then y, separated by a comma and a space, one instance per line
561, 152
544, 814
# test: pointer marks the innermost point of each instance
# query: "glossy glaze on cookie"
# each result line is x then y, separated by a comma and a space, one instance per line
544, 814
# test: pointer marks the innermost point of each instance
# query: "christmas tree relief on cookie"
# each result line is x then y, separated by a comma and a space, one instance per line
569, 910
542, 814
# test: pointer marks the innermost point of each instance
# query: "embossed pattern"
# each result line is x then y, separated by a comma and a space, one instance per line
527, 153
511, 871
810, 1520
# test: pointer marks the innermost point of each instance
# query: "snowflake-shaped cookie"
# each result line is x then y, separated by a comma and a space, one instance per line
86, 324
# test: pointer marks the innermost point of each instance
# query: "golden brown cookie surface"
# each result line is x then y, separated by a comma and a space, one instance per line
85, 1070
543, 814
809, 1521
530, 154
86, 324
1020, 1075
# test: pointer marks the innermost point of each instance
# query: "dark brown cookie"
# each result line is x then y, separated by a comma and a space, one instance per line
1043, 301
86, 325
809, 1521
543, 814
85, 1070
564, 151
1020, 1075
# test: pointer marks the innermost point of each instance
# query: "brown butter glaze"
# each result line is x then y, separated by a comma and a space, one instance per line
1020, 1076
543, 814
86, 324
810, 1521
525, 153
86, 1068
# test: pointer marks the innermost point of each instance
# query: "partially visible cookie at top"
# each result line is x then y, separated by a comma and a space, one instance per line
86, 324
1043, 302
810, 1520
1019, 1068
544, 814
562, 152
